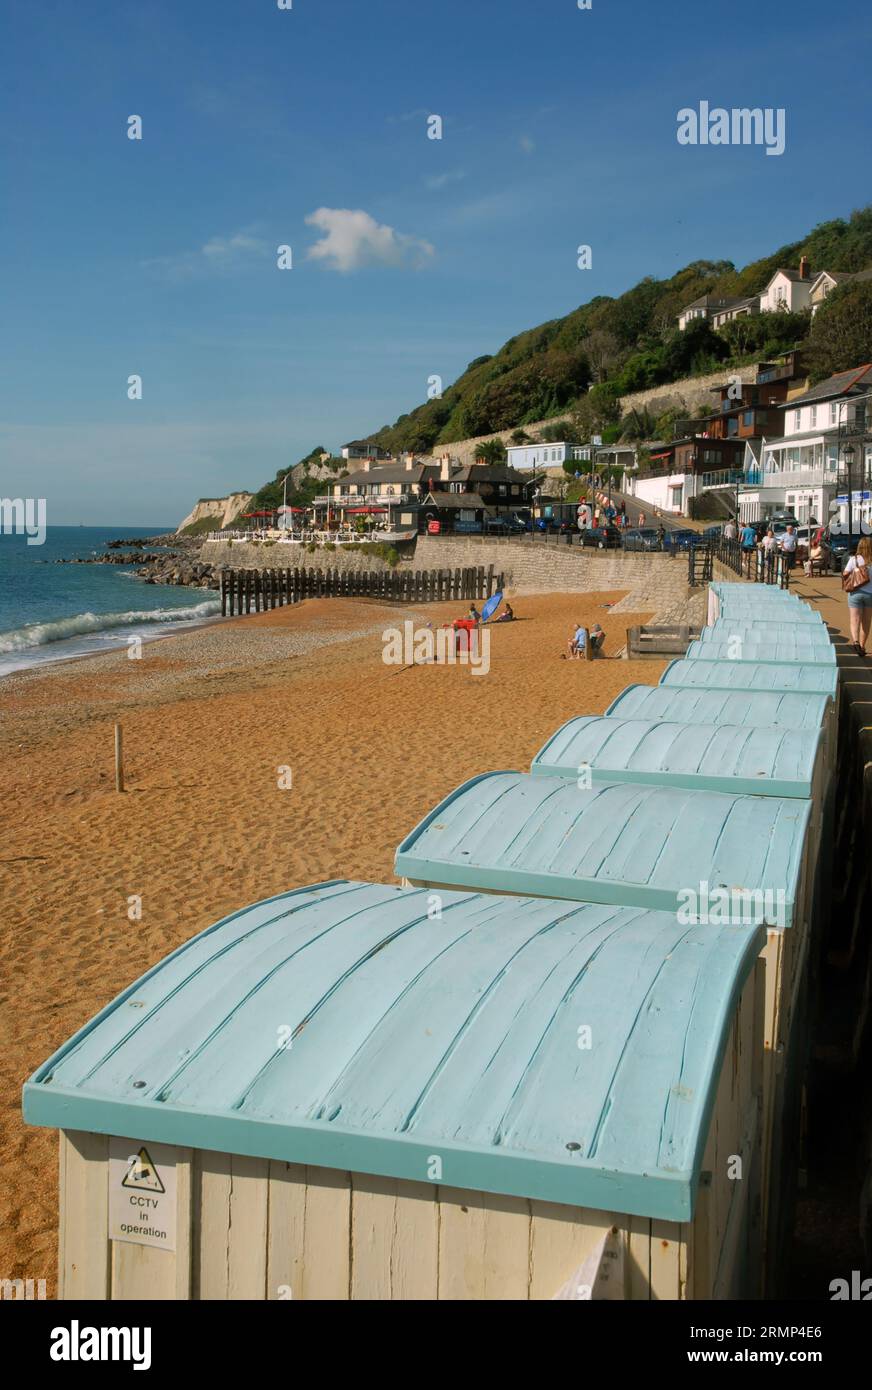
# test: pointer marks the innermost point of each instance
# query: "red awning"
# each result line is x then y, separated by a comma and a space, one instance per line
366, 511
252, 514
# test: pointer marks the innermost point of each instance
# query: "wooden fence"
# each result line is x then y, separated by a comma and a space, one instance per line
250, 590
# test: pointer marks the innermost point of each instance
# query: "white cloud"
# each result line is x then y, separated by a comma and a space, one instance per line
352, 239
527, 145
218, 253
437, 181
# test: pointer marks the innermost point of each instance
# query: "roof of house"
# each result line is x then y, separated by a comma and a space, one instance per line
736, 303
453, 501
842, 277
393, 473
486, 473
842, 384
364, 444
810, 275
714, 301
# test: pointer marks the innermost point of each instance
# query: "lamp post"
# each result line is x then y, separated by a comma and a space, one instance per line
849, 465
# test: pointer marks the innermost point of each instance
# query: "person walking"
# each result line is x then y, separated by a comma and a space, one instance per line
857, 583
749, 537
730, 530
788, 546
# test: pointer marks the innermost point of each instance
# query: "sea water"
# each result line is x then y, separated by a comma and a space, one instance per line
51, 612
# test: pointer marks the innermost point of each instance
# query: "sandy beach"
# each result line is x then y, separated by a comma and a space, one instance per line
210, 720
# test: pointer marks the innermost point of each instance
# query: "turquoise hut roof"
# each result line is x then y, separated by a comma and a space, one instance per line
800, 635
789, 677
713, 757
758, 593
689, 705
415, 1036
796, 613
612, 842
782, 652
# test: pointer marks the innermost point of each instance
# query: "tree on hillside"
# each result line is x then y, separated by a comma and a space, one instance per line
493, 452
604, 402
602, 350
638, 423
520, 437
554, 432
841, 332
693, 350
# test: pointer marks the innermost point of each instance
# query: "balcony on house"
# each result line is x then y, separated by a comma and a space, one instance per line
356, 499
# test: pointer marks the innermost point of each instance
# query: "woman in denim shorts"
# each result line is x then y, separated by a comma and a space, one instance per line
860, 600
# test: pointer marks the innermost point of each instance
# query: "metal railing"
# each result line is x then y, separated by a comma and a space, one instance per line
755, 565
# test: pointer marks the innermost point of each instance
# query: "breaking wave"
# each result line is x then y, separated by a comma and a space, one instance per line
83, 624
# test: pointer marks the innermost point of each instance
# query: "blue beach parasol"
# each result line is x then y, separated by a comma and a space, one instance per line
493, 603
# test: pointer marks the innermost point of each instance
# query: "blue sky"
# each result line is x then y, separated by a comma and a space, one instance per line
158, 257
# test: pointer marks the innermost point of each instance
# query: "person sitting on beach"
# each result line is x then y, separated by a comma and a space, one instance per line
473, 615
508, 613
577, 642
597, 639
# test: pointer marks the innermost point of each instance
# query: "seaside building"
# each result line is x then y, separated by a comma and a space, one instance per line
548, 454
697, 472
805, 470
412, 493
363, 449
787, 290
710, 305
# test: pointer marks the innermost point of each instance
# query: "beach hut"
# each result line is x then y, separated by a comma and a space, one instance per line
754, 759
799, 635
355, 1091
782, 651
760, 595
786, 678
766, 612
690, 704
701, 854
698, 704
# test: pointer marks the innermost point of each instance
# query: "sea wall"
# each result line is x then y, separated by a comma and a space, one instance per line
245, 555
654, 583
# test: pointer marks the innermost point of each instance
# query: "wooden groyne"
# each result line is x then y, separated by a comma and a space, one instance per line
257, 590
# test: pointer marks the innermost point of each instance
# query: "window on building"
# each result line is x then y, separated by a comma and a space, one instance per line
834, 412
814, 417
797, 419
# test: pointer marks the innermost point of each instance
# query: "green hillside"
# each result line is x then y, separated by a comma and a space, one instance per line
629, 343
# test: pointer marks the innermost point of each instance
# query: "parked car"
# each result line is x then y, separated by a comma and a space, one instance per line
841, 545
641, 538
682, 538
503, 526
601, 537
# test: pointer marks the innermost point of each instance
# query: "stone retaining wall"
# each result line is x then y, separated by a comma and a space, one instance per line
652, 583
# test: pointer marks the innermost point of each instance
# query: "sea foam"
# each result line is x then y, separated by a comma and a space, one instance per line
41, 634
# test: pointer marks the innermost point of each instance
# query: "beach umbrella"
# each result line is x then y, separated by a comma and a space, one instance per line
492, 605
